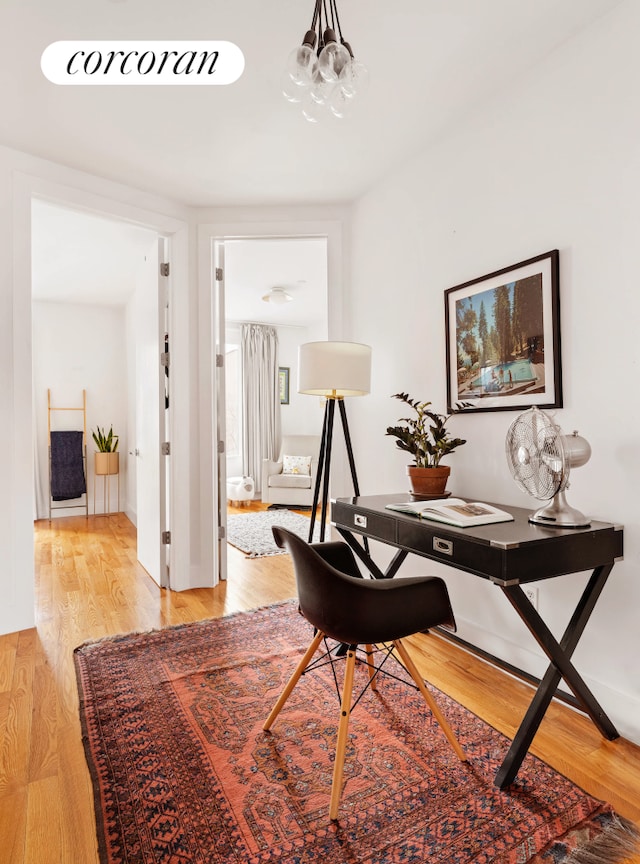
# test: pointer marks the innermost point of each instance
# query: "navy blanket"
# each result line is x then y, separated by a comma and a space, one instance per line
67, 466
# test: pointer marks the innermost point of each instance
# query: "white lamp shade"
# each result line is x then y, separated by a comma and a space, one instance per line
334, 369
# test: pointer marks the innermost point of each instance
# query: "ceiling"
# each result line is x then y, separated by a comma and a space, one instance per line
81, 258
430, 62
252, 267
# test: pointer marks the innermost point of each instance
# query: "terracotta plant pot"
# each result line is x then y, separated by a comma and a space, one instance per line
428, 481
106, 463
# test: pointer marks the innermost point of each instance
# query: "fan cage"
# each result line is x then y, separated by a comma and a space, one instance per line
536, 455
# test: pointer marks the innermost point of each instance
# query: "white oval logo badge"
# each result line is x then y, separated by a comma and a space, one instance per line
142, 63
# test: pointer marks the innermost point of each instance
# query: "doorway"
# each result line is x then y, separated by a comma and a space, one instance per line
253, 267
95, 327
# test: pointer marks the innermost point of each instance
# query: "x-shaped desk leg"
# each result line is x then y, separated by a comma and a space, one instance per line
559, 653
365, 557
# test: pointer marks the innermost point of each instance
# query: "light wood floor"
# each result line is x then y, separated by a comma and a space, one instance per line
89, 585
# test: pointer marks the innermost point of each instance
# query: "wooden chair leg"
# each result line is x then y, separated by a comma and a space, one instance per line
302, 665
411, 668
343, 729
372, 669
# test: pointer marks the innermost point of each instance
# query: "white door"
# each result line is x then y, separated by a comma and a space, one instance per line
219, 460
151, 311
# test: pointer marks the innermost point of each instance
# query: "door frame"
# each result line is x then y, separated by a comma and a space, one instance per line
208, 235
26, 188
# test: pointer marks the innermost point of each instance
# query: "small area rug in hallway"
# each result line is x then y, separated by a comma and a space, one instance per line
183, 772
251, 532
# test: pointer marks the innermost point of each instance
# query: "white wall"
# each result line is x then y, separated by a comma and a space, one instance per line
80, 346
553, 163
303, 415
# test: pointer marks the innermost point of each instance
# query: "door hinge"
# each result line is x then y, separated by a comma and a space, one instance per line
166, 538
219, 361
219, 274
165, 448
220, 446
164, 359
222, 532
165, 268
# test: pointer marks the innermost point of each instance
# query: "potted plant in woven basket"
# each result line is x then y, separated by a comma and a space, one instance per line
107, 459
427, 439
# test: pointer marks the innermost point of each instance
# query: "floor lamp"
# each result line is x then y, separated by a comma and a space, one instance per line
334, 370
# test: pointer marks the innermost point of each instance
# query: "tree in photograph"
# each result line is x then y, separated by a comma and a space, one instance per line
527, 320
502, 318
483, 334
470, 346
494, 345
466, 320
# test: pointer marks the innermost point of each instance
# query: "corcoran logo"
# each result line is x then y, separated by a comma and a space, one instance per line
142, 63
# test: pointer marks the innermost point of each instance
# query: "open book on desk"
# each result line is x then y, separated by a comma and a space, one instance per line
454, 511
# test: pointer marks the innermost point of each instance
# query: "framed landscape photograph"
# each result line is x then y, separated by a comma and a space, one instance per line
503, 339
283, 381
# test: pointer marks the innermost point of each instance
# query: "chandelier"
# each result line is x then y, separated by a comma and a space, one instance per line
322, 74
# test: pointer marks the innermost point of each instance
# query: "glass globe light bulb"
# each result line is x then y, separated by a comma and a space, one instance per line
341, 103
360, 76
293, 92
303, 61
333, 57
320, 88
354, 78
311, 109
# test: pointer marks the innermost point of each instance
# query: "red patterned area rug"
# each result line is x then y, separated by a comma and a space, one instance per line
182, 771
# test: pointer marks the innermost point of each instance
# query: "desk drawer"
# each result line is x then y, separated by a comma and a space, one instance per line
365, 522
451, 547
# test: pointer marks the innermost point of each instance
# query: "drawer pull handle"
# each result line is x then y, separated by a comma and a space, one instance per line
360, 520
444, 546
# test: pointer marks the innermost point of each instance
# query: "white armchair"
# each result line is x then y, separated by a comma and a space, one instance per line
286, 481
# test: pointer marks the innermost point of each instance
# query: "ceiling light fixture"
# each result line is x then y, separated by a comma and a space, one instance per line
322, 74
277, 295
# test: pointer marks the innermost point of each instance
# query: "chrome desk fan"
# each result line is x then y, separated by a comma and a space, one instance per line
540, 458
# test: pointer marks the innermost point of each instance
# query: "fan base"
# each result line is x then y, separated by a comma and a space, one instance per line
559, 514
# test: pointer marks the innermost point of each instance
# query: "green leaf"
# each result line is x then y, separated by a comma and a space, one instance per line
105, 442
425, 436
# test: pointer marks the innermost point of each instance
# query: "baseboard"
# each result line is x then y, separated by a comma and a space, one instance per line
622, 708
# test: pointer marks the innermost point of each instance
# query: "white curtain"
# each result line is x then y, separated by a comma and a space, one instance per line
261, 399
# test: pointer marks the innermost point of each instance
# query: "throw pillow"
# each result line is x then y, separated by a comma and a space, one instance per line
296, 465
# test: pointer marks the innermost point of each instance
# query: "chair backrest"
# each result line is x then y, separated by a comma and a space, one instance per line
354, 610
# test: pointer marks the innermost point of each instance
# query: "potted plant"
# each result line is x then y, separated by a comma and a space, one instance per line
107, 458
427, 439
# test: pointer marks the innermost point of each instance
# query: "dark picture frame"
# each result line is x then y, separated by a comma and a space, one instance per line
283, 384
503, 338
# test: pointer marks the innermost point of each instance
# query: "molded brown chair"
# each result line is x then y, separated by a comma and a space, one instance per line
343, 606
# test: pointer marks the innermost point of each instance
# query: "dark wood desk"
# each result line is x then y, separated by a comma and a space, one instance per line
509, 554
